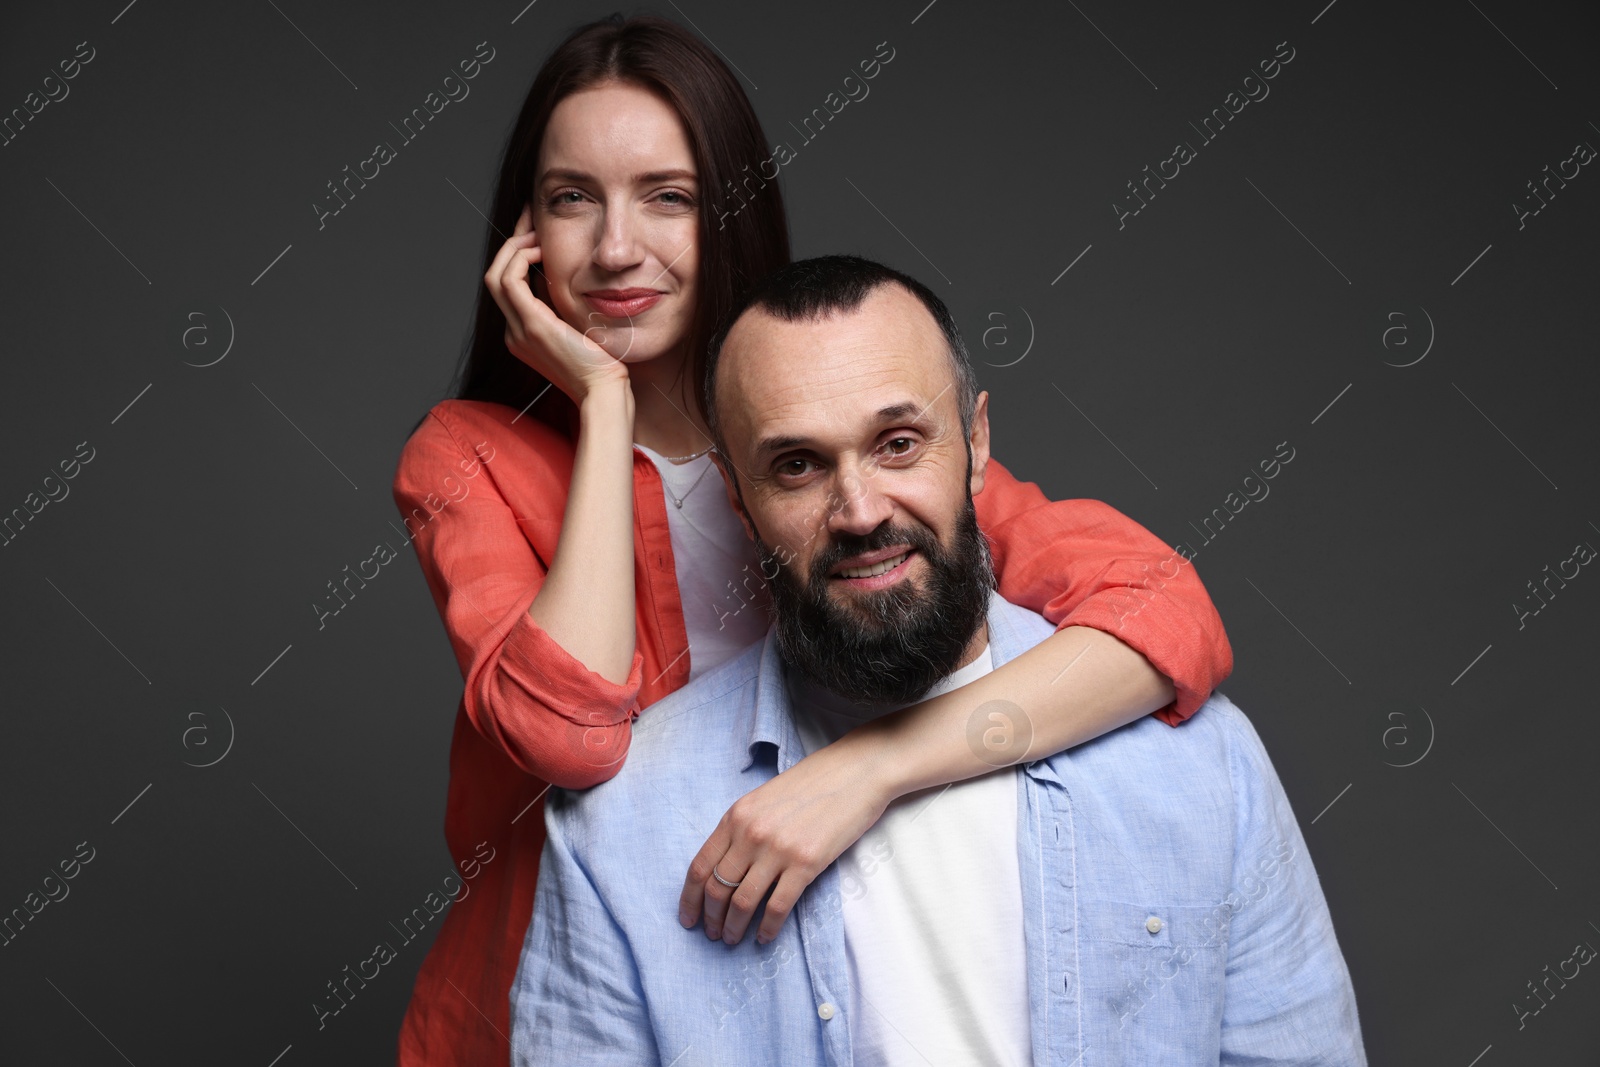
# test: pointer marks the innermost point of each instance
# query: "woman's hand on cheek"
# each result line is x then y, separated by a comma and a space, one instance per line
535, 334
779, 837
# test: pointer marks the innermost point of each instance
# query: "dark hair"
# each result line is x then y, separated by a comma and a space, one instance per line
811, 289
725, 138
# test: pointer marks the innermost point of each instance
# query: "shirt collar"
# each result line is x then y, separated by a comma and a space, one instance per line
765, 717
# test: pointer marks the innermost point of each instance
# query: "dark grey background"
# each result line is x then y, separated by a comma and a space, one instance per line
1369, 598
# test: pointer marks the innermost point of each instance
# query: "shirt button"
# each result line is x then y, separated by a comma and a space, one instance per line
1153, 924
825, 1011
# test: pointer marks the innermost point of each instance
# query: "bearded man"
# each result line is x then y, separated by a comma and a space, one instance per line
1143, 898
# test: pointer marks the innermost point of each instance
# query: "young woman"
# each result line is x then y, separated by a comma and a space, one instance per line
586, 561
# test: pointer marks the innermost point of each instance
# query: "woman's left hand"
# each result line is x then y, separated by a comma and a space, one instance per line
783, 833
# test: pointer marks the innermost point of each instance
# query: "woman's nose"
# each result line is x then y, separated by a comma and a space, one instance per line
618, 246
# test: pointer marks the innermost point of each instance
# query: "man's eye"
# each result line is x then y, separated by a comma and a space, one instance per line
794, 468
899, 446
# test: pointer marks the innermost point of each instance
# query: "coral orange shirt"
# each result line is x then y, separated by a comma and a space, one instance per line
482, 491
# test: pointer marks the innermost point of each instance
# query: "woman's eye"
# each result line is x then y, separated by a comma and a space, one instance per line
673, 198
565, 197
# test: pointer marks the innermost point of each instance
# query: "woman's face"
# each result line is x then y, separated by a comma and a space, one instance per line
616, 207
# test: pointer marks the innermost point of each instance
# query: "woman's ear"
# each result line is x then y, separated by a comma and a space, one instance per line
534, 253
536, 282
978, 441
536, 279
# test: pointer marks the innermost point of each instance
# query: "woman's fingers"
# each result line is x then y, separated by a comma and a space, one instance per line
744, 901
694, 883
520, 240
781, 903
730, 909
560, 352
525, 307
572, 360
748, 850
717, 895
494, 276
779, 836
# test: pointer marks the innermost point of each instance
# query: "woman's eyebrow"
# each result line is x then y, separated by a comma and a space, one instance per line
665, 175
569, 175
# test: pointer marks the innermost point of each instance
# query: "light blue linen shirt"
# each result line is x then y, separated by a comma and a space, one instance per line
1173, 915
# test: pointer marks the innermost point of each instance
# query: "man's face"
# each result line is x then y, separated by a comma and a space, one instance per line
845, 437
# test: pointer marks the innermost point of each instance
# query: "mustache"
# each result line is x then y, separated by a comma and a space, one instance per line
846, 546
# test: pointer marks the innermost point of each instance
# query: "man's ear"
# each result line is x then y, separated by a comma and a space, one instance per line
735, 501
978, 441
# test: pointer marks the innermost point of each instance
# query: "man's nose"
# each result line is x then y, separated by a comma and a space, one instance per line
861, 505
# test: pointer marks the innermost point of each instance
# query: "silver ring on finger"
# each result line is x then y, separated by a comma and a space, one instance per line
724, 881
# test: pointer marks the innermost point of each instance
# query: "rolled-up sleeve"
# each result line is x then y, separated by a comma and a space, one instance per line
1084, 563
551, 715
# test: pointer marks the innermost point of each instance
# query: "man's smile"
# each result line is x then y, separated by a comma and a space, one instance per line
875, 570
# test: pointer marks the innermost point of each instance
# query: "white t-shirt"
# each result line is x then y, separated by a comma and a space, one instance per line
719, 575
932, 908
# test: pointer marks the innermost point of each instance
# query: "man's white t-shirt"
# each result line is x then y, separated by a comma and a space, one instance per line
932, 907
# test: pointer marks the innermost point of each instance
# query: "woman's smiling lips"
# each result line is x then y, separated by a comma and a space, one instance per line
876, 570
622, 303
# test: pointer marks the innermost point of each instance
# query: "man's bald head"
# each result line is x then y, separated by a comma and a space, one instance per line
812, 289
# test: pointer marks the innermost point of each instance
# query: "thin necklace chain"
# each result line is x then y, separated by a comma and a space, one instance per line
694, 455
678, 500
